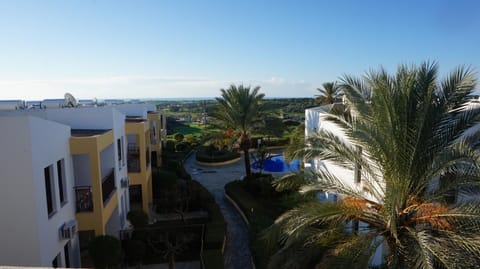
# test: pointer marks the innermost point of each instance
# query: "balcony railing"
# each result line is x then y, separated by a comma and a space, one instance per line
133, 158
133, 149
108, 186
147, 157
133, 164
84, 200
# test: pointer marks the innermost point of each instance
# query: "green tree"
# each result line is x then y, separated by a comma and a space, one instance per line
401, 139
138, 218
105, 251
240, 109
329, 93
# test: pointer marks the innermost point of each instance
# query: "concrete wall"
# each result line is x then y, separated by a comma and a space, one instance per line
33, 236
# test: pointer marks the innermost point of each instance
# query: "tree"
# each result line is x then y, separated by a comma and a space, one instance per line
329, 93
240, 109
138, 218
105, 251
401, 139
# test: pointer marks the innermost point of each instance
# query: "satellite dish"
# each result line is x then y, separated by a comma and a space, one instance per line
70, 101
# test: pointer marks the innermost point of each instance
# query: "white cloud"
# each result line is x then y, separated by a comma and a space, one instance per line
144, 87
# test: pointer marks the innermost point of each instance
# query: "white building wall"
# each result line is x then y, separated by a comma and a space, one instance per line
314, 121
136, 110
33, 144
100, 118
18, 230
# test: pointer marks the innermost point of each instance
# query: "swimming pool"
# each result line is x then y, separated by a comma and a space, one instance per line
277, 164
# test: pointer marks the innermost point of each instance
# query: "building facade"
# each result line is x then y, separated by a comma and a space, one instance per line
38, 199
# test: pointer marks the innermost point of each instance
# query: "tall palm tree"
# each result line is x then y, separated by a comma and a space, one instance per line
329, 93
240, 109
408, 136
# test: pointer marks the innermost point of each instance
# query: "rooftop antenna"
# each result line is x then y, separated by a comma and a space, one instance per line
70, 101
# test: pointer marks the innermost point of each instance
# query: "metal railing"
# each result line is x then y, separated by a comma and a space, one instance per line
108, 186
84, 199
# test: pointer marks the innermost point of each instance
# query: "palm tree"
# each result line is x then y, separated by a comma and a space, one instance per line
240, 109
329, 93
409, 144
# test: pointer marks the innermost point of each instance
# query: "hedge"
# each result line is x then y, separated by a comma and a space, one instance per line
213, 259
248, 204
219, 156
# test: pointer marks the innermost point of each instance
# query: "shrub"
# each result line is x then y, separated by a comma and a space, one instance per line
272, 142
290, 123
170, 145
211, 155
192, 139
134, 251
213, 259
138, 218
182, 146
105, 251
178, 137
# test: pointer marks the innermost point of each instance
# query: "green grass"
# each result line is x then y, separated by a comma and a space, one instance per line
189, 128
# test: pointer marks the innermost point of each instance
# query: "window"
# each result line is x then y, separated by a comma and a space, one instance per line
119, 151
62, 184
49, 190
66, 250
56, 261
123, 150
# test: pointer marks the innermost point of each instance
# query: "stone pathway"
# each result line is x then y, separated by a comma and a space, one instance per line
237, 251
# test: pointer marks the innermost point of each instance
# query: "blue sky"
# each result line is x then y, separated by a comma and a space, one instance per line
165, 49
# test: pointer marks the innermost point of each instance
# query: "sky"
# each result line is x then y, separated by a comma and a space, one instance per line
169, 49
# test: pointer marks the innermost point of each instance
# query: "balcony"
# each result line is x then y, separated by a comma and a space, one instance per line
84, 200
147, 157
133, 160
108, 186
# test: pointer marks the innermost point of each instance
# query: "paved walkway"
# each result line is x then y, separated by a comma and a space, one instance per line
237, 252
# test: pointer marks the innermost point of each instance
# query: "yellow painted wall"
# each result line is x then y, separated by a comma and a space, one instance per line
93, 145
143, 178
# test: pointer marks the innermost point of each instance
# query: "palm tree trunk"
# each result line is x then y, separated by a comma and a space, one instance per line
248, 171
171, 261
245, 146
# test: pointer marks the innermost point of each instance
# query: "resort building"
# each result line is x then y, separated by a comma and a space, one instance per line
143, 127
70, 174
38, 226
314, 122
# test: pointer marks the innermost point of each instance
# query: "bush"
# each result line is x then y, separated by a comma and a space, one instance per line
134, 251
182, 146
291, 123
273, 142
260, 184
105, 251
170, 145
213, 259
178, 137
192, 139
216, 228
138, 218
247, 203
211, 155
178, 168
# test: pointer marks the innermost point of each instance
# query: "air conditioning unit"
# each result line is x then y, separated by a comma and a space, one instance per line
124, 182
68, 230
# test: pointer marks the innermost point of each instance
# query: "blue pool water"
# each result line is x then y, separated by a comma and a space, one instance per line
278, 164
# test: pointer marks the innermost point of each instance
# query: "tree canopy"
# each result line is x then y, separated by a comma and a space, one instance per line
240, 108
407, 138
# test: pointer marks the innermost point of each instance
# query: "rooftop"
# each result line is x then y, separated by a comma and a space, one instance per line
88, 132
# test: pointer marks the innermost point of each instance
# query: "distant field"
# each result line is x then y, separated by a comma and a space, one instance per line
190, 128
